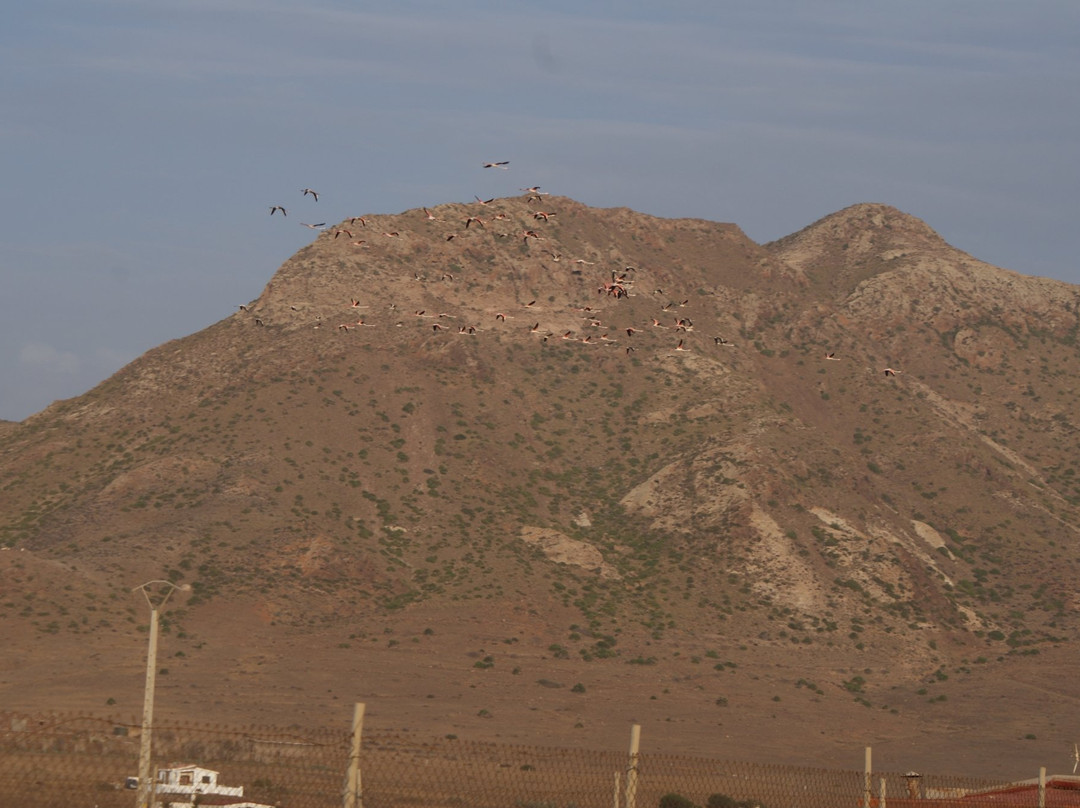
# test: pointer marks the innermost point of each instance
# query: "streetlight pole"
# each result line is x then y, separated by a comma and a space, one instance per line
146, 786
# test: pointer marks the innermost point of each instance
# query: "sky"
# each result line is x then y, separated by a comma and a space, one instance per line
142, 142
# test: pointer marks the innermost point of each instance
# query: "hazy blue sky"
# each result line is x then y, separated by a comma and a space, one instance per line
142, 142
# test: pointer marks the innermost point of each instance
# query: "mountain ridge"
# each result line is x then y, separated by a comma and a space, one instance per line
473, 436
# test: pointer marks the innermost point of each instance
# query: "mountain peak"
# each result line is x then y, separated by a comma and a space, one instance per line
470, 260
847, 247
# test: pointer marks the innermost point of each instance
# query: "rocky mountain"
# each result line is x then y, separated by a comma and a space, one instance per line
828, 482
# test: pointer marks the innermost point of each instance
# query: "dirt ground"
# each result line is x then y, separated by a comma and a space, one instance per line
1001, 721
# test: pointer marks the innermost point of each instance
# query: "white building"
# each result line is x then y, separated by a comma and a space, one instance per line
190, 786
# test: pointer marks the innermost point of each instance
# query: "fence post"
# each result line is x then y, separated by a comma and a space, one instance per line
618, 785
867, 781
354, 795
881, 794
632, 768
1042, 787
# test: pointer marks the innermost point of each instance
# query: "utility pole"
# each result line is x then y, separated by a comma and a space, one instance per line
161, 592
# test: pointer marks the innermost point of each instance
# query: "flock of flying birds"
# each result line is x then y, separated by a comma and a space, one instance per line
618, 287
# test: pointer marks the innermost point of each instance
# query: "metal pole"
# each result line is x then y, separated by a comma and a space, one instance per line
354, 795
146, 785
632, 768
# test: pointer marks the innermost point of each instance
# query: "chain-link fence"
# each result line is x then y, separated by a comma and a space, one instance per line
69, 761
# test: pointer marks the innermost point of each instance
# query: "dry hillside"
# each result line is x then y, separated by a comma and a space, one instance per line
453, 471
